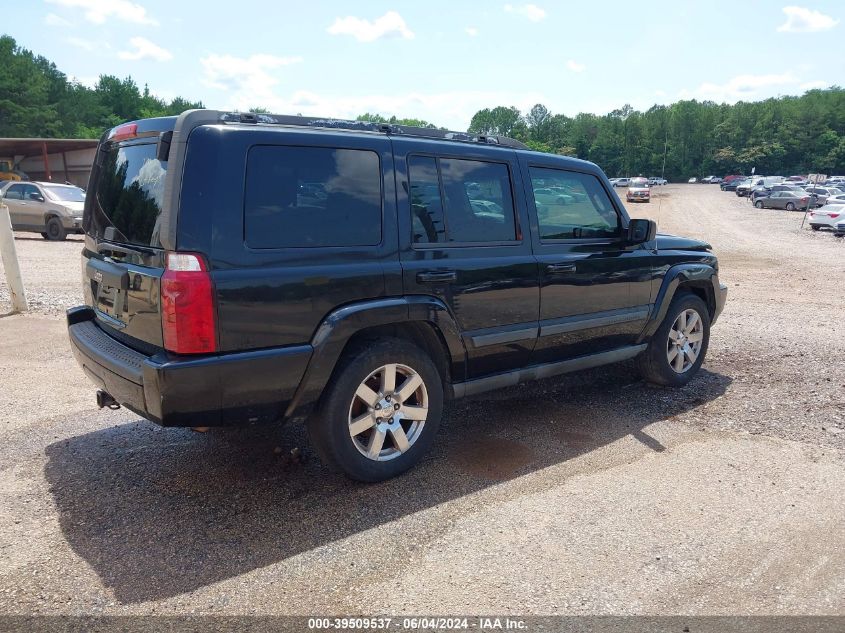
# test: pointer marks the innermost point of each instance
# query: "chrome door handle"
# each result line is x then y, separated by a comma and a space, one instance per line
561, 268
440, 276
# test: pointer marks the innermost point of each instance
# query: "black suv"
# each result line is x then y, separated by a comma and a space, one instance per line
244, 268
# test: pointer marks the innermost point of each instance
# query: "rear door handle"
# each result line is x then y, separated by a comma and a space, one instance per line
561, 268
440, 276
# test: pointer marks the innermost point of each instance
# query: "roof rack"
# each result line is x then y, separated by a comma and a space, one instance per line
390, 129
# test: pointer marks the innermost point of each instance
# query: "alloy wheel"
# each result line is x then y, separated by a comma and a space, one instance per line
685, 339
388, 412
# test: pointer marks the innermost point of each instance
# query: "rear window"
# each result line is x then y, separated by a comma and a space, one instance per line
312, 197
127, 194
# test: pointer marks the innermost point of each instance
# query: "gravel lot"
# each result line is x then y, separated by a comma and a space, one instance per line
590, 493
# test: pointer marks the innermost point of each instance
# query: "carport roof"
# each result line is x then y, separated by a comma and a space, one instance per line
33, 146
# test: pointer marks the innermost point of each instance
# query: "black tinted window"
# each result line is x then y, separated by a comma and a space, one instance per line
312, 196
478, 201
427, 221
127, 194
571, 205
14, 192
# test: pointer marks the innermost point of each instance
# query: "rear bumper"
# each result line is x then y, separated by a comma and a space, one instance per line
220, 389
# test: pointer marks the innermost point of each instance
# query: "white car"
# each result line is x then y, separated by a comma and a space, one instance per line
48, 208
622, 182
837, 199
827, 216
692, 180
638, 191
657, 181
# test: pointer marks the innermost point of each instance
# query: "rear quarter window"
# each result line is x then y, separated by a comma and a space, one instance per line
312, 197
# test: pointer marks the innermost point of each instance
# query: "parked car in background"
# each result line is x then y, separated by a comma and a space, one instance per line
548, 195
819, 194
707, 180
732, 184
613, 181
44, 207
788, 200
839, 230
837, 199
622, 182
638, 191
761, 191
716, 180
744, 188
692, 180
827, 217
654, 180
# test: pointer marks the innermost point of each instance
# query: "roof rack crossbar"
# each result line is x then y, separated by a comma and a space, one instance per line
390, 129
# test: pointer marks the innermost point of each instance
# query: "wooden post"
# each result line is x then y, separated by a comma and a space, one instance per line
10, 261
46, 162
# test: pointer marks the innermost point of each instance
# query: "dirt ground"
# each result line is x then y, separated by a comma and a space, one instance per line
589, 493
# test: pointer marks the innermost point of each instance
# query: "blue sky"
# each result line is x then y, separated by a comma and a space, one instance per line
442, 60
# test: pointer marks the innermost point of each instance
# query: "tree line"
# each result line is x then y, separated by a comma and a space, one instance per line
38, 100
784, 135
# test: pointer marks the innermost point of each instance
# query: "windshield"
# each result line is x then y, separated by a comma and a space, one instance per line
639, 182
126, 196
64, 194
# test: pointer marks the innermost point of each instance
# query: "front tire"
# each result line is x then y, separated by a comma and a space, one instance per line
759, 204
55, 231
678, 347
380, 412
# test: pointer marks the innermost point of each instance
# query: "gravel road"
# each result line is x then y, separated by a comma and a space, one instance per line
590, 493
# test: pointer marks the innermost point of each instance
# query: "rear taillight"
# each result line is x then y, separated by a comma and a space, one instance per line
187, 305
833, 215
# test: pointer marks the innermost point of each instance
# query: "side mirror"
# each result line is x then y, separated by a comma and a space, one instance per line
37, 197
640, 231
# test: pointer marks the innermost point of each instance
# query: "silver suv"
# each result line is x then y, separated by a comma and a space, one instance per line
48, 208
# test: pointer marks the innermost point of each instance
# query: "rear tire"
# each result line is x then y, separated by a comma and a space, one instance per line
55, 231
685, 330
366, 426
815, 228
790, 206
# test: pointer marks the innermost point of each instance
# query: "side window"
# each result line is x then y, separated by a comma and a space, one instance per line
479, 206
572, 205
428, 225
14, 192
30, 190
312, 197
476, 204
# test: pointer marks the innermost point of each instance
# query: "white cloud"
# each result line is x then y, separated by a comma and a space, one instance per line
471, 31
145, 49
99, 11
802, 19
84, 44
575, 66
51, 19
390, 24
530, 11
811, 85
741, 87
89, 81
248, 81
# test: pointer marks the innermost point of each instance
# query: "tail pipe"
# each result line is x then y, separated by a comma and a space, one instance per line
105, 399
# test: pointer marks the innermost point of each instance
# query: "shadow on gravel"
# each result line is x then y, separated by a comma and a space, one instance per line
159, 512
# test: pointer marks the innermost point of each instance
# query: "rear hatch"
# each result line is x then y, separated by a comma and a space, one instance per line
123, 260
